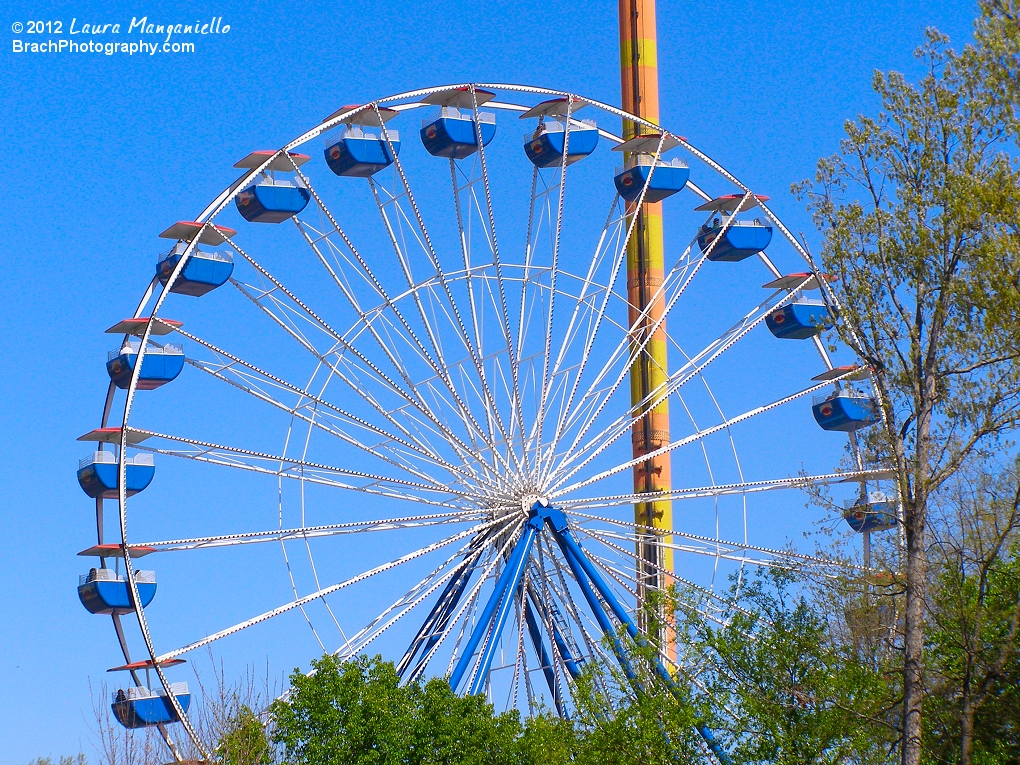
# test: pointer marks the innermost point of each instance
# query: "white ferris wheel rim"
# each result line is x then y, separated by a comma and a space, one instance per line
222, 200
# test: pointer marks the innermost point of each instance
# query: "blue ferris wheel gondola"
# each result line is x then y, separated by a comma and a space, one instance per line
875, 514
668, 177
159, 366
844, 412
800, 320
271, 199
740, 241
103, 591
140, 707
99, 474
358, 153
454, 135
203, 271
732, 240
271, 202
453, 131
361, 155
545, 147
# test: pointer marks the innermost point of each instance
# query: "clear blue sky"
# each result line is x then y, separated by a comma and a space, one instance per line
100, 153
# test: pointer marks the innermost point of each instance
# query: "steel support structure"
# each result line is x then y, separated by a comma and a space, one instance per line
584, 572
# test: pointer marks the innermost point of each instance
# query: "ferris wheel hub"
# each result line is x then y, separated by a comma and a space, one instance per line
530, 501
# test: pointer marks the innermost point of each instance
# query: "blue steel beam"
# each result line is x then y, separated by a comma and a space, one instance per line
579, 562
516, 569
438, 617
543, 656
512, 571
561, 645
558, 523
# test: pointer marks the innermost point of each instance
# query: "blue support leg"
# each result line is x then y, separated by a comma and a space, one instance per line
596, 607
512, 570
516, 570
564, 650
543, 655
579, 562
437, 619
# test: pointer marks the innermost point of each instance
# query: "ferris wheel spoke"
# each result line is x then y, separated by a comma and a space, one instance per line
377, 315
556, 235
467, 608
343, 350
688, 440
438, 365
693, 367
421, 233
700, 545
723, 605
629, 583
337, 339
311, 472
720, 490
605, 243
627, 352
493, 240
322, 593
412, 598
683, 271
392, 449
630, 213
303, 533
465, 195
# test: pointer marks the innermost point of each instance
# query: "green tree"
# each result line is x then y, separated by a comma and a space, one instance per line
626, 720
243, 740
357, 713
782, 686
918, 212
974, 616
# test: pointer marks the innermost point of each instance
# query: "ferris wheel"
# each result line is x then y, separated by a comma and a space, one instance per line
419, 386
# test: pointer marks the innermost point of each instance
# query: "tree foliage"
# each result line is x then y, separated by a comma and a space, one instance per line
918, 213
357, 712
973, 645
781, 687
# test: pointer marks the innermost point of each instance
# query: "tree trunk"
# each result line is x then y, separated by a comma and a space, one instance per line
913, 679
967, 727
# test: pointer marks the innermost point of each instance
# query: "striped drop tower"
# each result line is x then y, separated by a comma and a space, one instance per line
645, 271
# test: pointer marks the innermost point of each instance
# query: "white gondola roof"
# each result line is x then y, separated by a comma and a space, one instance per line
281, 162
112, 436
137, 326
730, 202
790, 281
187, 230
367, 117
459, 97
556, 107
647, 144
116, 551
859, 373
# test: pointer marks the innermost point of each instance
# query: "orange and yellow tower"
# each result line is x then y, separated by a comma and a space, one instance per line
645, 273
